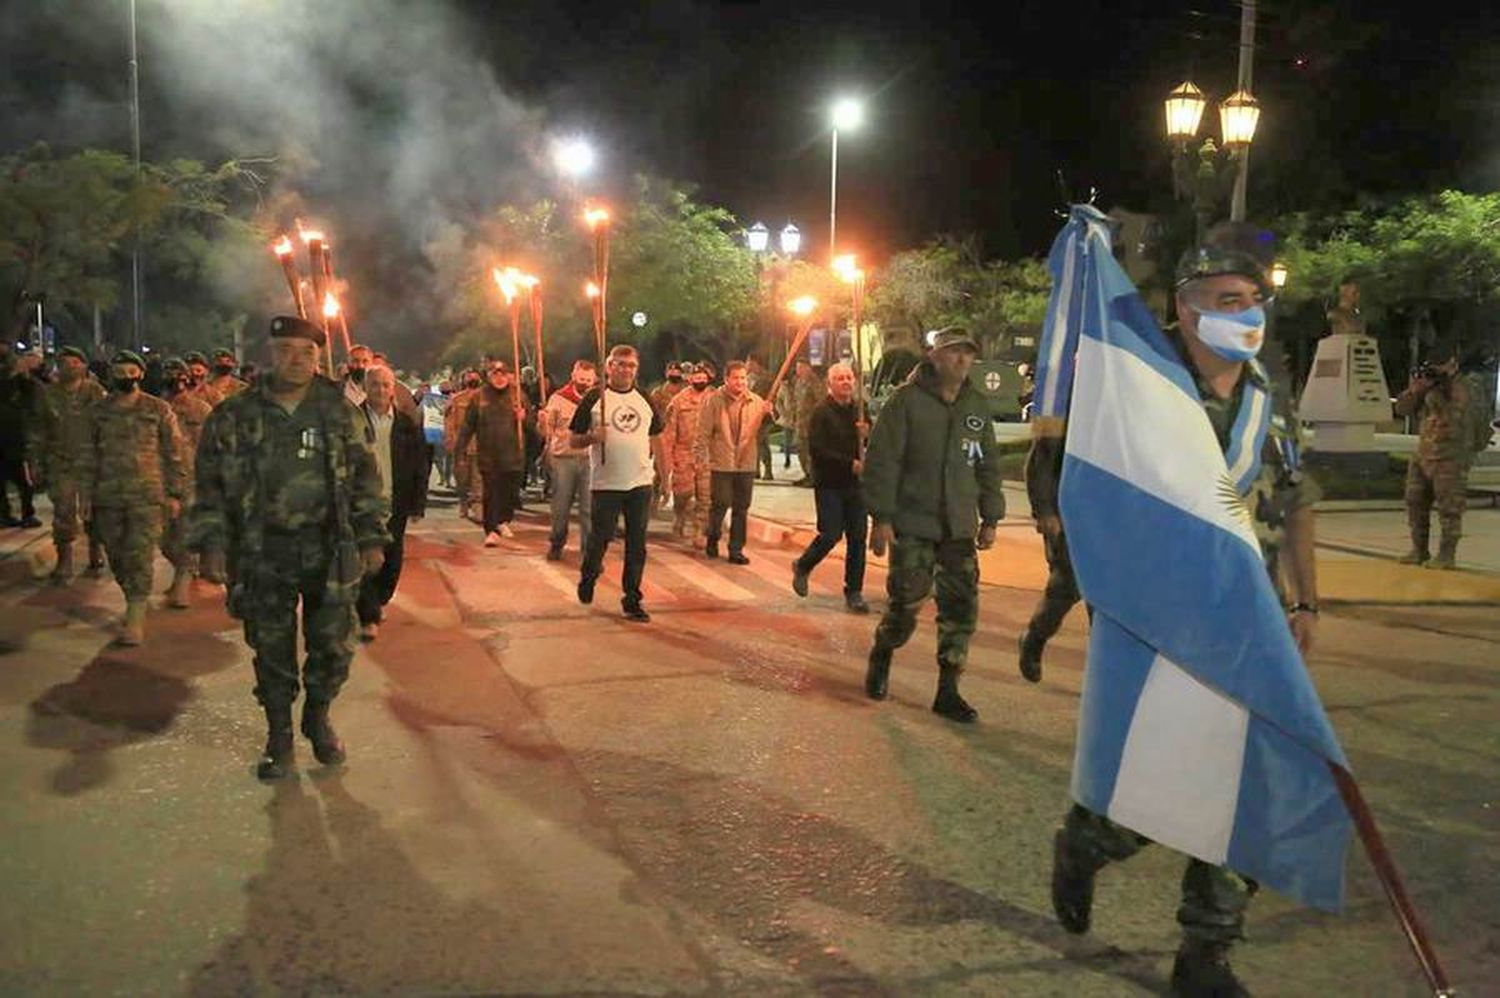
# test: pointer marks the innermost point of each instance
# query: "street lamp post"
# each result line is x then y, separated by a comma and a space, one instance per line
851, 274
1203, 183
848, 114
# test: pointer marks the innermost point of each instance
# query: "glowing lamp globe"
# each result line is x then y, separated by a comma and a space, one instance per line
1238, 116
1184, 107
758, 237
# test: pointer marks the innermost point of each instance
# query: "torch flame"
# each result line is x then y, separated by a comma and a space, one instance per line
330, 306
596, 216
507, 280
283, 246
846, 268
529, 281
803, 306
311, 236
591, 289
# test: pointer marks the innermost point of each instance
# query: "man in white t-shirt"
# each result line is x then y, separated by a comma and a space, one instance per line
623, 445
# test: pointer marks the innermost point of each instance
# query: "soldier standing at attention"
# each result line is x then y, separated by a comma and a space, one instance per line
191, 412
63, 451
1439, 470
289, 493
224, 382
135, 481
932, 484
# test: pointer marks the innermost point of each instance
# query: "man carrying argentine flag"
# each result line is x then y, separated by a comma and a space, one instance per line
1189, 522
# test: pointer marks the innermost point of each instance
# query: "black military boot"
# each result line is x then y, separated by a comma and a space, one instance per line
1031, 658
276, 760
325, 742
948, 703
878, 674
1072, 887
1202, 970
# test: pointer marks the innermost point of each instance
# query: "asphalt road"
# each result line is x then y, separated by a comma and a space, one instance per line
544, 798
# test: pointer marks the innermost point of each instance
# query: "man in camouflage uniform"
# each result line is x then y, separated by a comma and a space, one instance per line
932, 485
1224, 276
1438, 472
223, 381
63, 448
289, 493
470, 485
809, 394
197, 367
1043, 469
689, 479
135, 480
191, 412
662, 395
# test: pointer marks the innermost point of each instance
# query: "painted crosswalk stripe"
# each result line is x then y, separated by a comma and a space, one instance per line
704, 578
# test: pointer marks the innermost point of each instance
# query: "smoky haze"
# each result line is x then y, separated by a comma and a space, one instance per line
386, 126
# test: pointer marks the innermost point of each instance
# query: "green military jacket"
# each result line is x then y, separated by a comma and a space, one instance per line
232, 512
933, 468
1446, 430
62, 444
135, 452
192, 412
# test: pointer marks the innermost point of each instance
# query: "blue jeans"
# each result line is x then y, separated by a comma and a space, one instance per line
570, 484
841, 514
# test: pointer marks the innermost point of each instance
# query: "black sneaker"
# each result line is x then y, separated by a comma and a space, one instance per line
1030, 660
1202, 970
737, 559
9, 521
856, 603
711, 547
30, 523
1072, 890
586, 590
799, 579
637, 613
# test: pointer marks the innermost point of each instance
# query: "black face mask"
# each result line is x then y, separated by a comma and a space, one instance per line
471, 384
674, 378
357, 375
125, 385
176, 385
223, 369
700, 386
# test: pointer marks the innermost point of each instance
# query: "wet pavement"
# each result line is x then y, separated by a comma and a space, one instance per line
544, 798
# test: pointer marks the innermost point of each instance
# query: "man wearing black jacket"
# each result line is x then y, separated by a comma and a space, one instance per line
401, 455
833, 436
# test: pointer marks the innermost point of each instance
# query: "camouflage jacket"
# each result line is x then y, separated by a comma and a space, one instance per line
1446, 432
231, 512
62, 431
458, 411
662, 395
135, 452
207, 392
191, 412
227, 385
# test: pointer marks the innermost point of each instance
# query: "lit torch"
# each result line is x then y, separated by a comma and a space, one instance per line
806, 309
534, 286
849, 273
283, 251
330, 284
511, 281
314, 242
597, 219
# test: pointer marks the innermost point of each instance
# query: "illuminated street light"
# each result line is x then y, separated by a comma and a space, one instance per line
574, 157
791, 240
1203, 176
1184, 107
1278, 275
803, 306
1238, 116
758, 237
848, 114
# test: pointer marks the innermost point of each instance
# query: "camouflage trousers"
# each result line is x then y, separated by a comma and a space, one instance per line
1443, 484
174, 540
1060, 596
690, 506
130, 535
917, 568
68, 512
294, 568
1214, 898
466, 478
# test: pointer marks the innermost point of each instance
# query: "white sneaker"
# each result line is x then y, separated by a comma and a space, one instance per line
491, 540
506, 532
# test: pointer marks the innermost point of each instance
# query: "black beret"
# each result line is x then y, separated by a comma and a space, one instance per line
284, 326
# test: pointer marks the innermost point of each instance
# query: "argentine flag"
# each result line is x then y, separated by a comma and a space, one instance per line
1199, 726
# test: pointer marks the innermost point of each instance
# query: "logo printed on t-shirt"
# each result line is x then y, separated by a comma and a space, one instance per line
625, 419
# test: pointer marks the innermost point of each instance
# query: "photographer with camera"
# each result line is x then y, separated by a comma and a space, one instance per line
1438, 472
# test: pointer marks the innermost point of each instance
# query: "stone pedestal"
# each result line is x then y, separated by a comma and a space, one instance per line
1346, 394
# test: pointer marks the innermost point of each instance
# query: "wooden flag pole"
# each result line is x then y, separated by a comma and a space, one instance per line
1390, 881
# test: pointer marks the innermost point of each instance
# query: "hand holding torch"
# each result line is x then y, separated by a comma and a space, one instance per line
597, 219
510, 282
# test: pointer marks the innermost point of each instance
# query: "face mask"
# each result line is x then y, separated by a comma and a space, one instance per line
125, 385
674, 378
357, 375
177, 384
1236, 336
700, 386
223, 369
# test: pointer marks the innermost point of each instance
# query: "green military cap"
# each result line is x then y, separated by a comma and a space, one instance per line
951, 336
128, 357
1232, 248
194, 357
173, 364
284, 326
72, 352
223, 352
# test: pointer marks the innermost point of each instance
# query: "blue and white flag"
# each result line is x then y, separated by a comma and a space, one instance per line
1199, 725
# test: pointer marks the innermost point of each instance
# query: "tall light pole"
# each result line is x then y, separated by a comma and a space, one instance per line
1247, 71
135, 149
848, 114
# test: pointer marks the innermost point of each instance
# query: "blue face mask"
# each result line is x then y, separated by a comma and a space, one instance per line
1236, 336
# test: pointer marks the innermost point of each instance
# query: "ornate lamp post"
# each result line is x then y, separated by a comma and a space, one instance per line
1205, 179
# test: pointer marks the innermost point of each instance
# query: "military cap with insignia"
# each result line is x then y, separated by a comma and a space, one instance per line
293, 327
951, 336
128, 357
1232, 248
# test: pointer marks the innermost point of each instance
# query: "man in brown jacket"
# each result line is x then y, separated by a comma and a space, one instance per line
492, 421
728, 433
